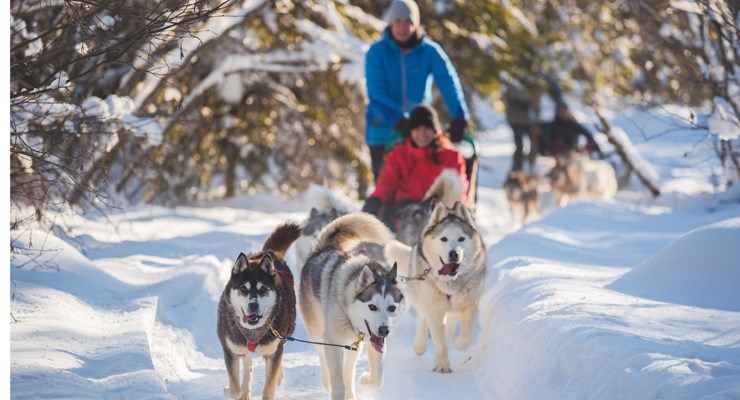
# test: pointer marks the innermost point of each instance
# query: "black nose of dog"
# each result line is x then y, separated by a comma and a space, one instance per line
383, 331
453, 256
253, 308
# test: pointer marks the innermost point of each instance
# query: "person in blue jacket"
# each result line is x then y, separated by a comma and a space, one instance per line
399, 70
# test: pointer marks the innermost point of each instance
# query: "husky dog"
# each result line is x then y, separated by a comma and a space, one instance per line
447, 267
258, 296
521, 192
578, 177
447, 189
326, 207
344, 294
311, 227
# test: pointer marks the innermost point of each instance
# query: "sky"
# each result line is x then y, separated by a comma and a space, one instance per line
631, 297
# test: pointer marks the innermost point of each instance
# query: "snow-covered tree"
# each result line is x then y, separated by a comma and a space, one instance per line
165, 101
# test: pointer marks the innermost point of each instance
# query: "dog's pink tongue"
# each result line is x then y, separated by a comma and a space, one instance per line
251, 317
377, 343
446, 269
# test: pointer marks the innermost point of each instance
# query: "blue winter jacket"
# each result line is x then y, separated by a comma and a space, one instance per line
397, 81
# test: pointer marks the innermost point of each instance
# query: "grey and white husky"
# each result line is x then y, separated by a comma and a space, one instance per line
345, 295
316, 220
258, 296
326, 206
447, 267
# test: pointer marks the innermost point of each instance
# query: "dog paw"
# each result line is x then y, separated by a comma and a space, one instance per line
462, 342
420, 347
233, 392
443, 368
367, 381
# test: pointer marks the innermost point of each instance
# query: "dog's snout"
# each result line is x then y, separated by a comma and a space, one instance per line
253, 307
453, 256
383, 331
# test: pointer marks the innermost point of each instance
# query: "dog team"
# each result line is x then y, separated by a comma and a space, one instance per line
570, 178
349, 295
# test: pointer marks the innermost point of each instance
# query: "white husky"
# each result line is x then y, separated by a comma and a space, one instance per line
446, 272
577, 177
346, 297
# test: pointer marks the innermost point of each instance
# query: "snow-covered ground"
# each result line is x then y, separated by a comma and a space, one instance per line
631, 298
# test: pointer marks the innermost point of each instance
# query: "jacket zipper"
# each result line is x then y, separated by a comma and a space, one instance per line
404, 105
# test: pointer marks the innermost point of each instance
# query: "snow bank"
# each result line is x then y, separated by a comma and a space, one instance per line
554, 327
699, 269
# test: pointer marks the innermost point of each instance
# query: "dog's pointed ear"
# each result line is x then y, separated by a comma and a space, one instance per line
462, 211
367, 277
240, 264
439, 212
313, 212
430, 203
393, 272
333, 214
267, 265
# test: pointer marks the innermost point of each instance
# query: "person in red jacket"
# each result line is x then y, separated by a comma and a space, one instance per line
412, 166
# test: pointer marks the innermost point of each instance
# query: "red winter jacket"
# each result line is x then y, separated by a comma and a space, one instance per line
410, 171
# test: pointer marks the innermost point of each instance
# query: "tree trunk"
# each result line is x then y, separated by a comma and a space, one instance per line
622, 152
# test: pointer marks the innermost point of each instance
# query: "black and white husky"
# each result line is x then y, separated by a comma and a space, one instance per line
345, 295
447, 267
259, 296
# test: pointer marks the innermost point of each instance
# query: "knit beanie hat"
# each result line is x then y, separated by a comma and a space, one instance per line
403, 9
424, 115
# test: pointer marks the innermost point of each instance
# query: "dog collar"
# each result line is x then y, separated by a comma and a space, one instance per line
252, 344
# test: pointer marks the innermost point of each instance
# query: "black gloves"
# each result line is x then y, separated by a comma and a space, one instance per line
457, 129
372, 206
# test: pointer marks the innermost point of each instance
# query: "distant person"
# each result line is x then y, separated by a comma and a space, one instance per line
412, 166
399, 70
561, 136
522, 115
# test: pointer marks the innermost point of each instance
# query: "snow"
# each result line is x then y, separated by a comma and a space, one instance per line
681, 274
631, 298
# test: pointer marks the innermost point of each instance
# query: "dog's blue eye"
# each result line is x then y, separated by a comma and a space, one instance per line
392, 308
462, 239
444, 239
373, 307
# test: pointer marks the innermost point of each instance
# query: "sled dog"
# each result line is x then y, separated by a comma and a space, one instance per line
577, 177
258, 296
326, 207
447, 270
311, 227
447, 189
346, 296
521, 192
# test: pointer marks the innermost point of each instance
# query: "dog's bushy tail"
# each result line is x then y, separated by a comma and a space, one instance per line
399, 253
348, 230
447, 188
281, 238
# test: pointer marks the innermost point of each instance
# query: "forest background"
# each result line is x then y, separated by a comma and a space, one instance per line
122, 102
